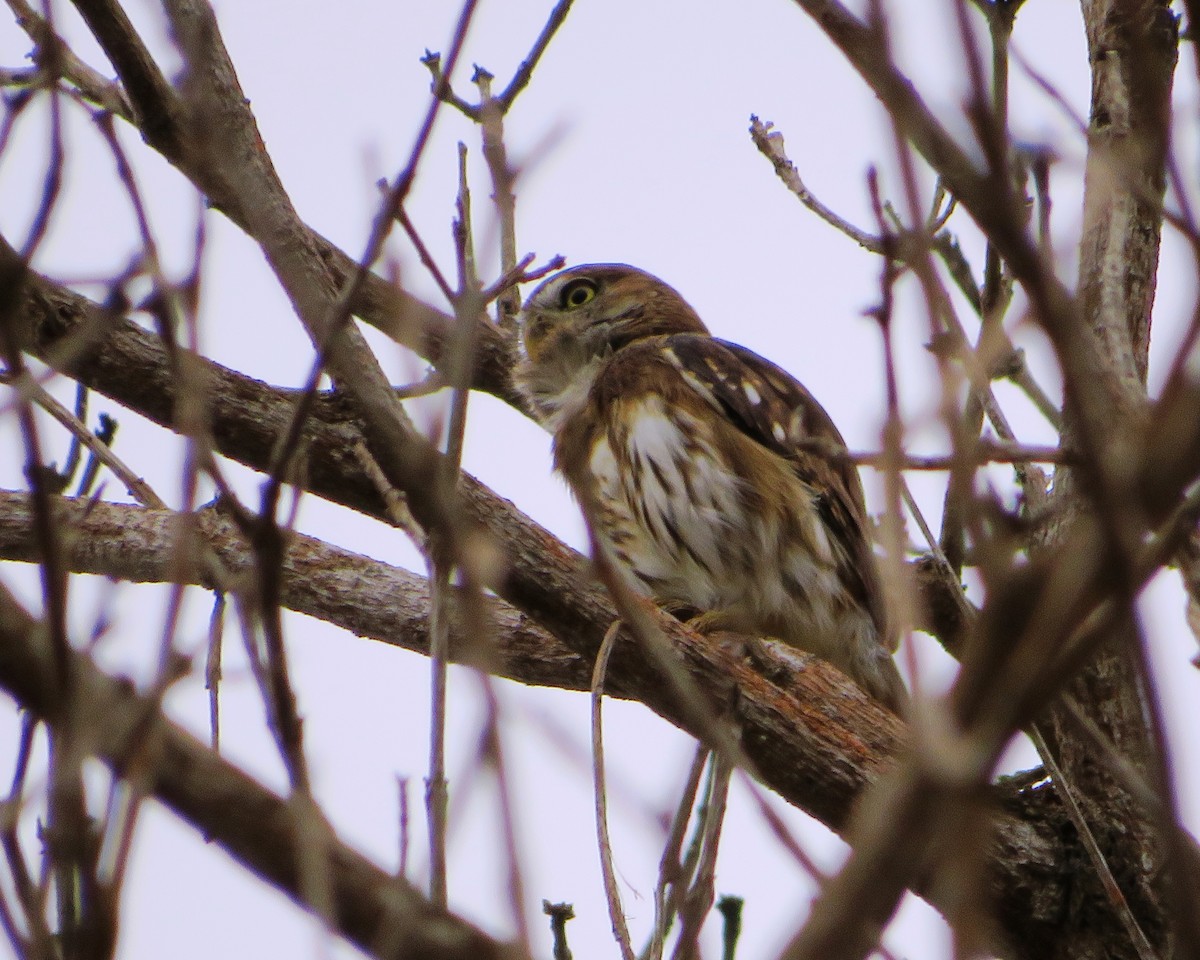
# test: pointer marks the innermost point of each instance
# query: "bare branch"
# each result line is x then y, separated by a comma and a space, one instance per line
770, 144
379, 913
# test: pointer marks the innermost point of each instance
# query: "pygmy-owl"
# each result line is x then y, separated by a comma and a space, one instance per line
689, 452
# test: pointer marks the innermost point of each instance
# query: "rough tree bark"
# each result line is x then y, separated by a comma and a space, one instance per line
1133, 51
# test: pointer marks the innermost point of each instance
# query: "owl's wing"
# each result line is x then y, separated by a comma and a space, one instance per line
771, 407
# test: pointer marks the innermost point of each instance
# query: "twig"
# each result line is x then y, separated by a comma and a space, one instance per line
395, 503
74, 451
137, 487
524, 71
616, 912
730, 909
507, 813
519, 272
1182, 860
403, 831
1017, 370
671, 874
32, 932
770, 144
423, 253
495, 154
559, 914
1099, 862
436, 791
444, 554
440, 86
983, 452
434, 382
1111, 888
1050, 90
699, 898
51, 51
991, 199
897, 597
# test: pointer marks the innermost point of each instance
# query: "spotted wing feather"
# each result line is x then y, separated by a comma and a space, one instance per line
772, 408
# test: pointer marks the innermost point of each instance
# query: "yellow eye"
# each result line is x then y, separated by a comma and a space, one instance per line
576, 294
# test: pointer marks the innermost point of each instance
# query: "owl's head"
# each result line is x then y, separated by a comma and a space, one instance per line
578, 318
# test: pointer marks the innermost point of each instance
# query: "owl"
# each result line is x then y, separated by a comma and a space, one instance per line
695, 457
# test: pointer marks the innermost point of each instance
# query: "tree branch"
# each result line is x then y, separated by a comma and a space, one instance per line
381, 914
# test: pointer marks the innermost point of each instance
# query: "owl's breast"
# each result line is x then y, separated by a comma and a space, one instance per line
669, 502
702, 517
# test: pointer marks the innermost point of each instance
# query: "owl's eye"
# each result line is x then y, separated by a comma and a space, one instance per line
576, 293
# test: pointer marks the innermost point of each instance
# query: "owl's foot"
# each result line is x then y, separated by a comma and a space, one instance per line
750, 646
777, 660
715, 621
736, 640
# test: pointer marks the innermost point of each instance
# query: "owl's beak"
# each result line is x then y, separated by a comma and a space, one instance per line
535, 326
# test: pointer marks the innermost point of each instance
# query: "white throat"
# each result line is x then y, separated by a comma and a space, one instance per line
556, 406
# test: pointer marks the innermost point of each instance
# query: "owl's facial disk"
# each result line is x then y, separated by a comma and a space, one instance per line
579, 317
566, 326
592, 310
570, 318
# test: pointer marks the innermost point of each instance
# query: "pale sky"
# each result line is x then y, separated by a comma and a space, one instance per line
633, 141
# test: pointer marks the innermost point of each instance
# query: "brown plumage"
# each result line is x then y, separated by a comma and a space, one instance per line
698, 458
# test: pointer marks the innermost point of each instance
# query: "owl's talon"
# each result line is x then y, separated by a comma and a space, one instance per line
712, 621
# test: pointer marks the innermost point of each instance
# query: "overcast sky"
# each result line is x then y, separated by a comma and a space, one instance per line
633, 144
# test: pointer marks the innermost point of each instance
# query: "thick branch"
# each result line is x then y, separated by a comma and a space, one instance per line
380, 913
1132, 48
367, 598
